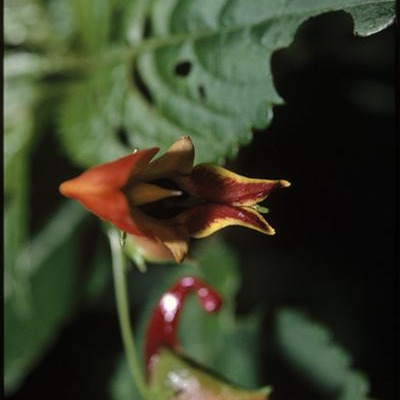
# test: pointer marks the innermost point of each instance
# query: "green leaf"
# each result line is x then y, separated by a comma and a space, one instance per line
100, 273
20, 98
175, 377
25, 23
209, 338
309, 348
82, 123
372, 18
121, 385
204, 71
34, 315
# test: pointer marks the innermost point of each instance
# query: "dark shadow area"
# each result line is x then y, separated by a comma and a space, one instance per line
122, 136
141, 85
202, 92
71, 368
334, 253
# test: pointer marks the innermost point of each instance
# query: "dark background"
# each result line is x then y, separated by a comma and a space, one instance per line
334, 252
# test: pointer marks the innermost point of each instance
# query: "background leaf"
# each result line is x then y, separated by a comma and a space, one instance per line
20, 99
34, 315
309, 348
208, 338
204, 71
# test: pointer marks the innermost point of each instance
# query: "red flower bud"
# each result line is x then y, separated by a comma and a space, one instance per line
168, 200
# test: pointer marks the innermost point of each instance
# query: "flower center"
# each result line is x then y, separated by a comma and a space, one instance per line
161, 198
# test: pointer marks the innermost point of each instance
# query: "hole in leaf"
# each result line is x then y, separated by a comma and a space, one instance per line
202, 92
147, 29
139, 83
183, 68
122, 136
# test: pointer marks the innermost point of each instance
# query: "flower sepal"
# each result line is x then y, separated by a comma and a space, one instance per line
141, 249
175, 377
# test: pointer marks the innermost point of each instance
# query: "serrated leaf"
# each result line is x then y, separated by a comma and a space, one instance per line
204, 72
309, 348
33, 316
372, 18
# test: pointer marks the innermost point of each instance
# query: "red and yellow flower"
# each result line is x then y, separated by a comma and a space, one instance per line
162, 203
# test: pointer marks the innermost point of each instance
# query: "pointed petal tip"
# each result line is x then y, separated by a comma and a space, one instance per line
270, 231
217, 184
203, 220
67, 188
185, 138
62, 188
179, 250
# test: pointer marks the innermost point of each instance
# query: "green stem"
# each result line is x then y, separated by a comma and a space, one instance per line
121, 293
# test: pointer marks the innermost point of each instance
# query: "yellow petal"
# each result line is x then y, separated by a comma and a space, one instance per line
205, 219
177, 160
142, 193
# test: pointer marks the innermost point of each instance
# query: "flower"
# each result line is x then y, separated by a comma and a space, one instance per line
166, 201
169, 372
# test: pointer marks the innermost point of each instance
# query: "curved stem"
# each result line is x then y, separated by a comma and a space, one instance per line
121, 293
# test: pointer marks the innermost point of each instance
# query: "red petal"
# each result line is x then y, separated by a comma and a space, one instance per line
205, 219
217, 184
112, 175
111, 206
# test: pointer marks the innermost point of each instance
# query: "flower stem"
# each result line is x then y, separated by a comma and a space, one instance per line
121, 293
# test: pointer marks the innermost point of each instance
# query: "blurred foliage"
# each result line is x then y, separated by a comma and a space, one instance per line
108, 76
208, 339
309, 348
37, 308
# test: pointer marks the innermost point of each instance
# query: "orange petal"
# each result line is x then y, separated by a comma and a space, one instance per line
205, 219
112, 175
217, 184
112, 206
177, 160
98, 189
